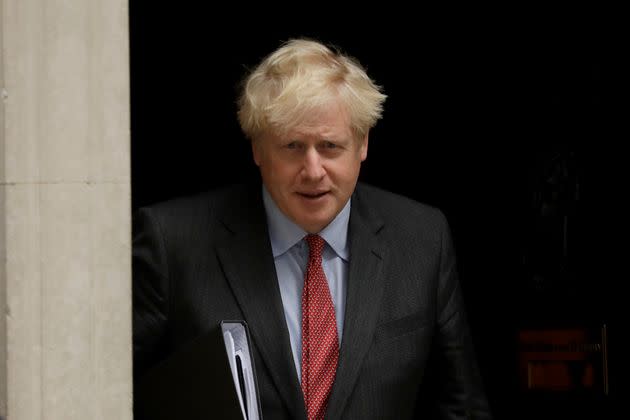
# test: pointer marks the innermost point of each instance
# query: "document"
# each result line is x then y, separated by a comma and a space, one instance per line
237, 347
213, 376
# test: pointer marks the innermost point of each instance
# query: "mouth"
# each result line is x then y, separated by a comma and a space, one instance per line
312, 195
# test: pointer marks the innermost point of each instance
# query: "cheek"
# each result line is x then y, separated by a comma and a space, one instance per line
281, 174
349, 172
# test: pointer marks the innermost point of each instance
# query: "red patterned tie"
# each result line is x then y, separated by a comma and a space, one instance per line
320, 343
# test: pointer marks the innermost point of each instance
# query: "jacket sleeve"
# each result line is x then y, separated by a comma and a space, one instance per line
460, 393
150, 292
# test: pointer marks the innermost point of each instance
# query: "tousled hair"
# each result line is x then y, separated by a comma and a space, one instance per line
300, 78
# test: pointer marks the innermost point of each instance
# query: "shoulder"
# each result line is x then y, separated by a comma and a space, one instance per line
190, 214
398, 210
206, 203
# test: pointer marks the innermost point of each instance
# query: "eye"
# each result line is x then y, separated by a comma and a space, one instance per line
292, 145
330, 145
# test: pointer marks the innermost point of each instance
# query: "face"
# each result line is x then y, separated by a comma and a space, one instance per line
312, 171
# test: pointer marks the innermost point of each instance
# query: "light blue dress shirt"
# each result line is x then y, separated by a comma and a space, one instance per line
290, 255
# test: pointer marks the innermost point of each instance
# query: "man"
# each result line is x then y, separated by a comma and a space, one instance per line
350, 292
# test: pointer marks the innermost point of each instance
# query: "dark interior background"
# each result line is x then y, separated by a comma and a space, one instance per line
504, 124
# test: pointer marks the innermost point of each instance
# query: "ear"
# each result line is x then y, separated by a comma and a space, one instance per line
256, 151
363, 148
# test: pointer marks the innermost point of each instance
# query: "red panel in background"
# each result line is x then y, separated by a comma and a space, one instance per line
563, 359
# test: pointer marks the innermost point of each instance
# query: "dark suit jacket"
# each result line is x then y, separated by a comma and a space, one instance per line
406, 342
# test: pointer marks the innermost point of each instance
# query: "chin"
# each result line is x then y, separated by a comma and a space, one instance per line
316, 226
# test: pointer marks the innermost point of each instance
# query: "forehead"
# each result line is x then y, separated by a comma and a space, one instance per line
331, 120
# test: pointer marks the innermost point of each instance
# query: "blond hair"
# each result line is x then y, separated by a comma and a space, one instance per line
299, 78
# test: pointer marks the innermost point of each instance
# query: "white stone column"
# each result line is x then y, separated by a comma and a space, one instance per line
65, 267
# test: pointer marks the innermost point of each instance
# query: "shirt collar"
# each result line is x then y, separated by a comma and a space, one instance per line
284, 233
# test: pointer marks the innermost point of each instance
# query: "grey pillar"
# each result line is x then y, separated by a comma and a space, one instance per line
65, 307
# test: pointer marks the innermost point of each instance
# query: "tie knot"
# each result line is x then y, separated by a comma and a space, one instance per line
315, 245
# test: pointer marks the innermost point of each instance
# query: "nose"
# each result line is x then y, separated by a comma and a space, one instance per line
313, 168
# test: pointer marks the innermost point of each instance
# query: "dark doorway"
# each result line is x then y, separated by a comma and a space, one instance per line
503, 125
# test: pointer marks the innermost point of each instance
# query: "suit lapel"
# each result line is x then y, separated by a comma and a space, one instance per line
365, 289
247, 261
